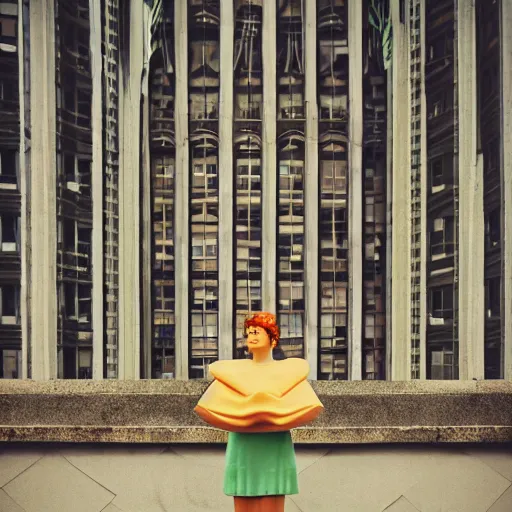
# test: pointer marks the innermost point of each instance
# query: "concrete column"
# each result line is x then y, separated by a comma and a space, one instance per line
355, 201
471, 212
424, 196
401, 203
146, 235
181, 231
97, 190
41, 193
129, 207
24, 215
311, 192
389, 219
269, 159
146, 226
506, 170
226, 266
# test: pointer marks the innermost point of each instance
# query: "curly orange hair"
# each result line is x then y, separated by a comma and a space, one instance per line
266, 321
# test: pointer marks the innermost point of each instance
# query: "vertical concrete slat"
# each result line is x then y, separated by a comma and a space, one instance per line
25, 198
401, 203
42, 185
355, 201
146, 226
311, 191
129, 203
181, 203
97, 190
226, 267
269, 158
471, 218
424, 196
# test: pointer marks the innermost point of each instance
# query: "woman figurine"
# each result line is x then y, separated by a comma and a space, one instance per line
258, 401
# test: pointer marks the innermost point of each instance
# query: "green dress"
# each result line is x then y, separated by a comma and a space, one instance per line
260, 464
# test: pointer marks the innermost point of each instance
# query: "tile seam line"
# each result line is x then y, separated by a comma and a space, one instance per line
14, 501
19, 474
88, 476
499, 497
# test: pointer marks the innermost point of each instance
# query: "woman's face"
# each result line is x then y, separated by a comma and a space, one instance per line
257, 338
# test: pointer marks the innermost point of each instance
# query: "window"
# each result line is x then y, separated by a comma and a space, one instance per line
334, 296
75, 363
69, 167
493, 229
291, 296
8, 233
492, 156
8, 170
69, 98
9, 305
77, 302
70, 301
442, 365
68, 240
493, 297
436, 172
84, 364
164, 295
76, 173
491, 81
442, 237
8, 25
10, 364
84, 295
83, 103
8, 90
441, 47
441, 302
334, 176
440, 102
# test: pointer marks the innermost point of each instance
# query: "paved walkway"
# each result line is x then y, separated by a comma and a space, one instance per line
184, 478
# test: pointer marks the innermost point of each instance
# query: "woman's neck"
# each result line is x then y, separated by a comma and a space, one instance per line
262, 356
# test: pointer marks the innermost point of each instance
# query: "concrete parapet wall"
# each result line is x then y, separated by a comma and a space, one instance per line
142, 411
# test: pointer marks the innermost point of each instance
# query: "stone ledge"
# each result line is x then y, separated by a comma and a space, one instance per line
162, 412
208, 435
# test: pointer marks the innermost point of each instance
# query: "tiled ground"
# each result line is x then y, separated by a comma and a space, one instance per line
179, 478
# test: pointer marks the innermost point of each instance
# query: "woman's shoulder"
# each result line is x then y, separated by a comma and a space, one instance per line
292, 362
294, 368
295, 362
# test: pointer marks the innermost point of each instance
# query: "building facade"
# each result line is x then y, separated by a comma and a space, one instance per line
341, 163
